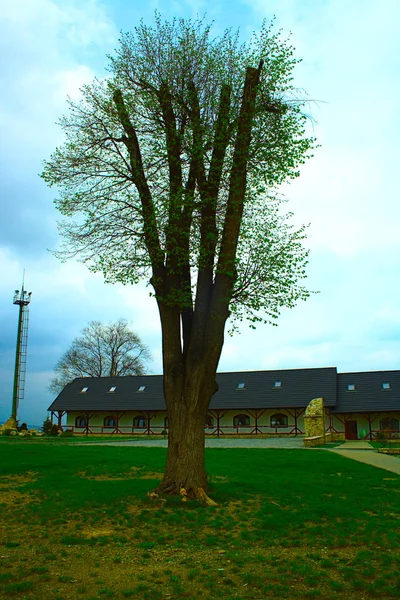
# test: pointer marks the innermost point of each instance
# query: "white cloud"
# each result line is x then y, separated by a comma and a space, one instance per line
51, 49
44, 22
351, 62
69, 82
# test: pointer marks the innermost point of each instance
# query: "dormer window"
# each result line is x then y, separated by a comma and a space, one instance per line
351, 387
141, 388
277, 384
84, 390
112, 389
386, 386
241, 385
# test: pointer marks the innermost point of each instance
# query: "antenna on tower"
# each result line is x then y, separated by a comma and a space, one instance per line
22, 299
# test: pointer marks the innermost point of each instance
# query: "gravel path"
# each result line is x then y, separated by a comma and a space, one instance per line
214, 443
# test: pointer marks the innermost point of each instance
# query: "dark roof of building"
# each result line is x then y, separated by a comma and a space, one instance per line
261, 389
127, 394
368, 391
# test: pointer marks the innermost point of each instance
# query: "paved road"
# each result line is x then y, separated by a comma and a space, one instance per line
361, 451
214, 443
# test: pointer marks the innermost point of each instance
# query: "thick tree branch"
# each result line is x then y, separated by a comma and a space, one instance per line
225, 277
209, 190
186, 283
221, 140
173, 146
179, 216
139, 178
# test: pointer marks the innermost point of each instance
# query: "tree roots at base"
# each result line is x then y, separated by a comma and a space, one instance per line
194, 493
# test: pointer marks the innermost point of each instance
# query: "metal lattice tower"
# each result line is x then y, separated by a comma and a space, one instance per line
22, 299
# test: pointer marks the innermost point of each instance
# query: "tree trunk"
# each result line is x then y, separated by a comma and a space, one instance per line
184, 468
185, 473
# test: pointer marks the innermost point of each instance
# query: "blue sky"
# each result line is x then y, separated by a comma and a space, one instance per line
348, 192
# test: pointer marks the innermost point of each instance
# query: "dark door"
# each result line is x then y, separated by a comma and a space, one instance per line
351, 431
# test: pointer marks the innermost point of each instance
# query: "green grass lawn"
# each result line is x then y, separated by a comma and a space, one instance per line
76, 523
75, 439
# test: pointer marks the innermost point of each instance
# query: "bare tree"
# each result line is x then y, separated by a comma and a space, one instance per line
170, 168
101, 351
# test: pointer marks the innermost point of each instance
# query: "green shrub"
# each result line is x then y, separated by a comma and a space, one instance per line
383, 437
47, 425
54, 431
67, 433
363, 434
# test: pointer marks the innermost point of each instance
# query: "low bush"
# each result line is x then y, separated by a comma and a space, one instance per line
67, 433
54, 430
47, 425
380, 437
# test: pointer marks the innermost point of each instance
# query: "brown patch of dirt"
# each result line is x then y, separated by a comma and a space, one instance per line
14, 498
97, 532
15, 480
102, 477
133, 473
236, 508
135, 508
9, 493
218, 479
151, 476
135, 470
311, 523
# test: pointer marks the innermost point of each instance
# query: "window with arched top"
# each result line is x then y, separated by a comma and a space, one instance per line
279, 420
209, 423
110, 421
241, 421
139, 421
81, 421
389, 424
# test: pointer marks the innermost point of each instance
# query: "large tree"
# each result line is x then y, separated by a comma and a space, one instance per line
101, 351
169, 172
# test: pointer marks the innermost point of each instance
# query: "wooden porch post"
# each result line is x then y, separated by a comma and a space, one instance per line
60, 414
87, 423
369, 426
